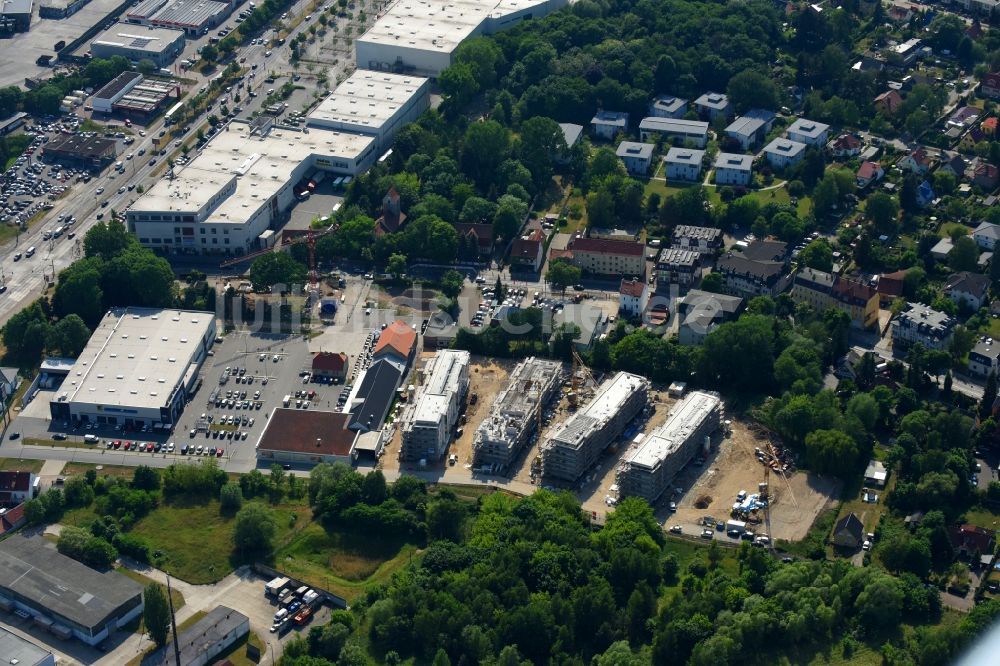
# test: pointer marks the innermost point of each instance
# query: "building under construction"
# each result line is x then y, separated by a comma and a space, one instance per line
514, 416
650, 465
579, 440
428, 421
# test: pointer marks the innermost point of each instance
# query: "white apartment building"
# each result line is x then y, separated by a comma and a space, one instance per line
781, 153
683, 164
809, 132
637, 157
733, 169
429, 419
918, 323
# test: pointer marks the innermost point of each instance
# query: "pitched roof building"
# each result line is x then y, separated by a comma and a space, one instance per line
399, 339
849, 532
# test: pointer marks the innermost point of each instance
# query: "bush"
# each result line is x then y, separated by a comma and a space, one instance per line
230, 498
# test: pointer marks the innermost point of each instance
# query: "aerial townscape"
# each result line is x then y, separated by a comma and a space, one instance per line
499, 332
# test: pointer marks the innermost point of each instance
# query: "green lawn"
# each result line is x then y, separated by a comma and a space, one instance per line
197, 541
983, 518
12, 464
74, 468
64, 444
777, 195
343, 563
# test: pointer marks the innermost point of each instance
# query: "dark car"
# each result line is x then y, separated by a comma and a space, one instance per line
15, 435
59, 437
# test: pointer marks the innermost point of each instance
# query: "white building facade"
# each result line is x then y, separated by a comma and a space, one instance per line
429, 420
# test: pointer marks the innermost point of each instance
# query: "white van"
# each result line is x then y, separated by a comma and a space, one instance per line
30, 252
91, 439
286, 400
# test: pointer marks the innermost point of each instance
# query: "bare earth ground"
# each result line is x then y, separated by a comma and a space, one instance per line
733, 467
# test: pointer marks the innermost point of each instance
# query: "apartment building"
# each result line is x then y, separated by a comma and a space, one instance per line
430, 418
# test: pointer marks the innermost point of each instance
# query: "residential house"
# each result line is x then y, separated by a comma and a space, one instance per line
763, 115
607, 124
706, 240
733, 169
668, 106
918, 162
888, 102
986, 235
633, 296
844, 146
711, 105
972, 289
971, 139
905, 54
571, 133
588, 318
954, 164
676, 131
985, 357
636, 156
972, 541
16, 487
607, 257
824, 290
397, 342
392, 218
986, 176
989, 126
942, 249
868, 173
528, 251
683, 164
680, 267
925, 194
12, 520
782, 153
475, 237
702, 311
9, 381
766, 250
919, 323
964, 117
876, 474
750, 274
849, 532
809, 132
748, 132
890, 286
330, 365
990, 85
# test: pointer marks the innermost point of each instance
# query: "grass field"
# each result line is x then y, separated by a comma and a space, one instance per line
75, 468
197, 541
237, 654
10, 464
344, 564
778, 195
983, 518
64, 444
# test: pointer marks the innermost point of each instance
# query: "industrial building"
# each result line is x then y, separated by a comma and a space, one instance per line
64, 596
146, 97
514, 416
375, 103
373, 394
429, 419
205, 639
161, 45
239, 186
578, 441
16, 650
194, 17
15, 16
307, 437
420, 36
652, 462
105, 98
138, 369
94, 152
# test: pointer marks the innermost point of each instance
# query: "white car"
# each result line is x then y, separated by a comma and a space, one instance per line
867, 545
99, 190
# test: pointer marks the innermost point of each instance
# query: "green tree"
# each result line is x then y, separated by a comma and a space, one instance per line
452, 283
485, 146
989, 396
276, 269
750, 89
254, 529
230, 498
832, 452
562, 274
883, 211
542, 142
156, 613
209, 53
146, 67
964, 255
70, 335
818, 254
396, 265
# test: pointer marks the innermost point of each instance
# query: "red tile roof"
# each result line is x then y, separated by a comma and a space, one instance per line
604, 246
329, 361
527, 247
891, 284
397, 336
12, 519
849, 290
633, 288
868, 170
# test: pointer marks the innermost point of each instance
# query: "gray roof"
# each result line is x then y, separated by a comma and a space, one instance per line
785, 147
139, 37
814, 279
587, 317
8, 375
684, 156
117, 84
696, 298
734, 161
673, 125
675, 257
745, 126
634, 149
189, 12
571, 133
712, 100
667, 104
617, 118
16, 650
761, 114
700, 233
34, 570
376, 393
927, 320
988, 348
201, 637
852, 525
15, 7
809, 128
971, 283
736, 263
765, 250
988, 229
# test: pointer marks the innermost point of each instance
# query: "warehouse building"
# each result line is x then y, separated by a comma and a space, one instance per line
307, 437
64, 596
651, 464
373, 394
205, 639
105, 98
160, 45
375, 103
94, 152
146, 97
420, 36
15, 16
238, 187
428, 421
18, 651
514, 416
138, 369
578, 441
194, 17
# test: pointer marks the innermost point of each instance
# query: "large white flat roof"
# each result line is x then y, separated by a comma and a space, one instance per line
610, 398
367, 98
136, 357
140, 37
259, 166
686, 418
441, 384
